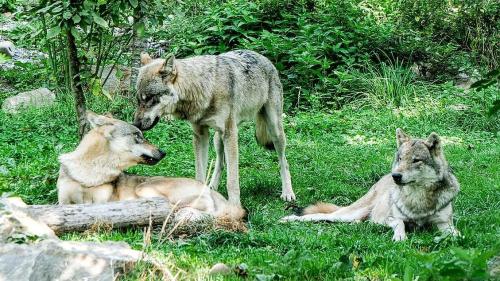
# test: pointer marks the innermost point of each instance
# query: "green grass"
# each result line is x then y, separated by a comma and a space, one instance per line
334, 156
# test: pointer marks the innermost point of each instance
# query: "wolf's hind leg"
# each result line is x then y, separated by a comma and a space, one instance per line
275, 126
188, 215
344, 214
219, 161
230, 139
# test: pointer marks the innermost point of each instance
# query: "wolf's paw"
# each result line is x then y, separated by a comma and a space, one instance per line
288, 196
399, 236
290, 218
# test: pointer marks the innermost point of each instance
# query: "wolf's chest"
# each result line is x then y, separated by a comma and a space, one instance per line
415, 205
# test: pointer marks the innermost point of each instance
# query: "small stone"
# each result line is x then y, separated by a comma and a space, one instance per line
7, 48
3, 170
41, 97
220, 268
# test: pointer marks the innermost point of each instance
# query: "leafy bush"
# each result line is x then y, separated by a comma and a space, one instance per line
460, 26
8, 5
306, 40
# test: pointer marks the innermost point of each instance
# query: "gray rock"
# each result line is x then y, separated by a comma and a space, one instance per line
7, 48
118, 79
494, 268
65, 260
36, 98
17, 226
220, 268
8, 25
21, 55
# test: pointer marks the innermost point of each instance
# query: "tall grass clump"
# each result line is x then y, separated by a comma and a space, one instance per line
388, 84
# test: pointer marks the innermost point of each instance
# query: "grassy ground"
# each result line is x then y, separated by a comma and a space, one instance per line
334, 156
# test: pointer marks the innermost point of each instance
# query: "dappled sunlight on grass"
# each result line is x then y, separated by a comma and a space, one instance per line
419, 107
363, 140
452, 141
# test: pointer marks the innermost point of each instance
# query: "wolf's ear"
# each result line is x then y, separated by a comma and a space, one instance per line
401, 137
145, 58
168, 70
434, 143
96, 120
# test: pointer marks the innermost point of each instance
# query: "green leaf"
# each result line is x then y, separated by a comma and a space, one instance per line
106, 94
100, 21
139, 28
76, 19
4, 58
134, 3
57, 9
67, 15
75, 33
53, 32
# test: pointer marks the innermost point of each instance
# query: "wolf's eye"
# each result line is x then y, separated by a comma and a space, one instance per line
138, 137
416, 160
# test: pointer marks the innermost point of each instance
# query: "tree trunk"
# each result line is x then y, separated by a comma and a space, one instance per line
76, 83
80, 217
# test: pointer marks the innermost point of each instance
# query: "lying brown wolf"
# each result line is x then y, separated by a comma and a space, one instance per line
420, 190
93, 173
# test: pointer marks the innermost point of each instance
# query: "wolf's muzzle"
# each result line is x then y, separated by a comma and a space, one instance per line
146, 123
397, 177
152, 160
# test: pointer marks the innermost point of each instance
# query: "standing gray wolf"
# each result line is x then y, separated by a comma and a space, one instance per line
419, 190
217, 92
93, 173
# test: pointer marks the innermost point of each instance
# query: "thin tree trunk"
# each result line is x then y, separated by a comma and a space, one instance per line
76, 83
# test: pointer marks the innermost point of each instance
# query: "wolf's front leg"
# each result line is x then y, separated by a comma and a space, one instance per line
219, 161
201, 138
398, 226
448, 228
230, 140
444, 221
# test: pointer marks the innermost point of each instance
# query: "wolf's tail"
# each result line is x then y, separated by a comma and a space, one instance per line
359, 210
319, 208
262, 132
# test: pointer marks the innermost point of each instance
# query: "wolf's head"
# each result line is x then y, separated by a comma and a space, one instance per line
123, 140
156, 95
419, 162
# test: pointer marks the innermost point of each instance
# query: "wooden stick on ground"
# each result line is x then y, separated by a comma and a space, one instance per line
80, 217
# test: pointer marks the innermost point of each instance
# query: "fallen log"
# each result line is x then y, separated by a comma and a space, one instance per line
80, 217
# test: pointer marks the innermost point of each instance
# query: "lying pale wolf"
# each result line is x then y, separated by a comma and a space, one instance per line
217, 92
93, 173
419, 190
